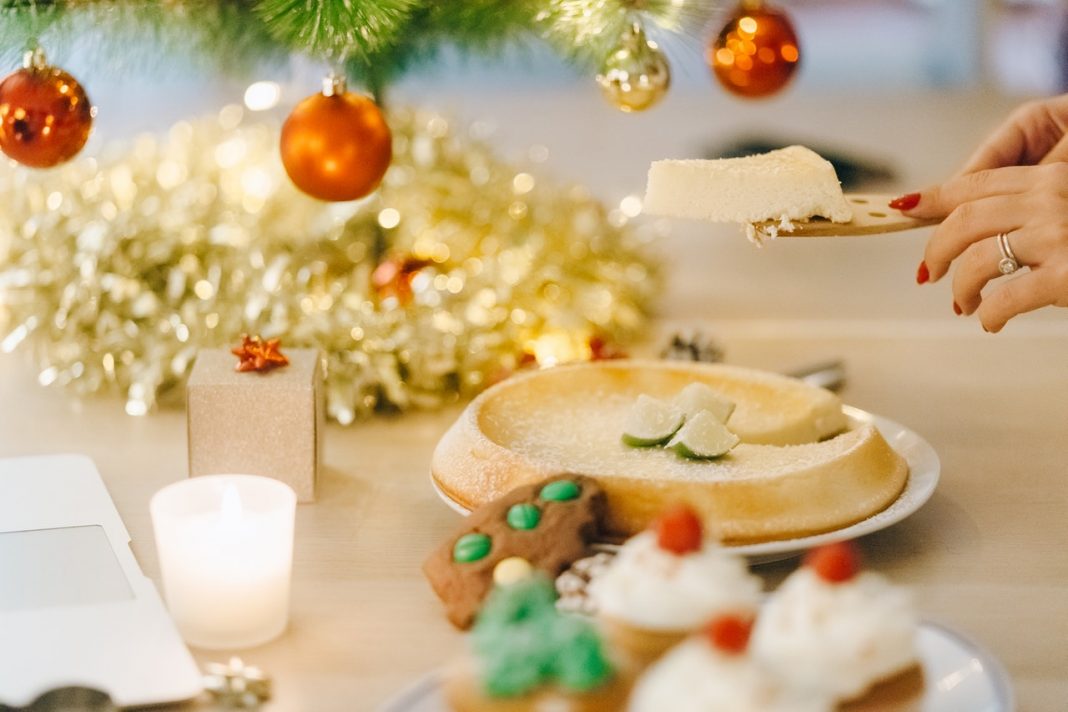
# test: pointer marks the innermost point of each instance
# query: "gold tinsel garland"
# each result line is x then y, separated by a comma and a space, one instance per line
116, 269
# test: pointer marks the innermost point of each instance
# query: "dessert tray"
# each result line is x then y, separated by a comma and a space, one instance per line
959, 675
924, 470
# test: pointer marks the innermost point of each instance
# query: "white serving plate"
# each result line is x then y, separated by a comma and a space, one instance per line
959, 676
924, 470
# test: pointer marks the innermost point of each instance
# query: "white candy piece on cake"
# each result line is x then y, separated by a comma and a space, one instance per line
699, 396
703, 436
651, 422
792, 183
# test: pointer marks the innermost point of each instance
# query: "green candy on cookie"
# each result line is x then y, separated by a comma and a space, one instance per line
560, 491
523, 516
471, 547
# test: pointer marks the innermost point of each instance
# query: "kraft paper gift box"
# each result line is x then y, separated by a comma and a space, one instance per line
255, 423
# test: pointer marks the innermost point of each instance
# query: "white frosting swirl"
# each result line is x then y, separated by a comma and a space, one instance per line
648, 587
837, 638
694, 677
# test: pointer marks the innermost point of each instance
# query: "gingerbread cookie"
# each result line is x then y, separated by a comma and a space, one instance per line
550, 525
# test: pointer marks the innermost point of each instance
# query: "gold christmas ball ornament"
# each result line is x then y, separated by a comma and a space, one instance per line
336, 145
45, 114
756, 53
635, 76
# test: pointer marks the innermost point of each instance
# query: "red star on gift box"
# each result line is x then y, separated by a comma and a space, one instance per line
255, 354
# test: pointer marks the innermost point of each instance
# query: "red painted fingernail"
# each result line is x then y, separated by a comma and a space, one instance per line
922, 274
905, 202
956, 309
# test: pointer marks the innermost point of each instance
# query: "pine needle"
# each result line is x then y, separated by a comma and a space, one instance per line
337, 29
376, 40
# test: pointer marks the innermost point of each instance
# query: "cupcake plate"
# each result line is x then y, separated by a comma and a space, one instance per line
958, 674
924, 470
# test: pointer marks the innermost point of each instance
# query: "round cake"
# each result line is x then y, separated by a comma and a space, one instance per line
802, 467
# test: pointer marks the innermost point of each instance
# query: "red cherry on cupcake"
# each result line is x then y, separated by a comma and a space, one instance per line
835, 563
678, 530
730, 633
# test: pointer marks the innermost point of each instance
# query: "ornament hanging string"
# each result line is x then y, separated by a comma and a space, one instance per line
376, 88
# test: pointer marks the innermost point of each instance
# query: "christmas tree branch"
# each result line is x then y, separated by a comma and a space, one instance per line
474, 26
376, 40
586, 31
337, 29
215, 35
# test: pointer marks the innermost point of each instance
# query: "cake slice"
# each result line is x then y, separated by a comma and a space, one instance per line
792, 183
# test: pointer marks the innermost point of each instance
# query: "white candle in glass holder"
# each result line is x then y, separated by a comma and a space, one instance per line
225, 546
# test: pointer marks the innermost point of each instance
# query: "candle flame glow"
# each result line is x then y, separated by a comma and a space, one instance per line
231, 505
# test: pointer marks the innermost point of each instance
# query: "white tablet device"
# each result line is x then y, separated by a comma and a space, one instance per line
75, 609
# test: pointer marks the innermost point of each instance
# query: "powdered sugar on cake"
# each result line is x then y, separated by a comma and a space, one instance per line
802, 466
582, 435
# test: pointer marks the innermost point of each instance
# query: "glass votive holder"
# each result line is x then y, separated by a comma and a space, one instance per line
225, 546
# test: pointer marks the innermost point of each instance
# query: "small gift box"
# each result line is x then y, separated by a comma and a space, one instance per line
257, 422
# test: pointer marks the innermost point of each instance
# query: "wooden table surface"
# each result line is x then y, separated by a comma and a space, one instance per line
986, 556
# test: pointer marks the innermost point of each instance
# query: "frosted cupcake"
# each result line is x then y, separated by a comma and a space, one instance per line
713, 671
665, 584
835, 630
527, 656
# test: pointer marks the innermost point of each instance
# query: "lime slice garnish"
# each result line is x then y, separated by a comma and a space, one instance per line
703, 437
651, 422
697, 397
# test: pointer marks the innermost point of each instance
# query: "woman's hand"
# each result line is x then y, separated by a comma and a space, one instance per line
1037, 132
1016, 183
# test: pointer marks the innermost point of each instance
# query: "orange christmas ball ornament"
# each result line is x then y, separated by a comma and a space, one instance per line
45, 114
756, 53
336, 145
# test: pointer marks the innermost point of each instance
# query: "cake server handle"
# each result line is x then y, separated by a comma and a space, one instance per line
827, 374
871, 216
